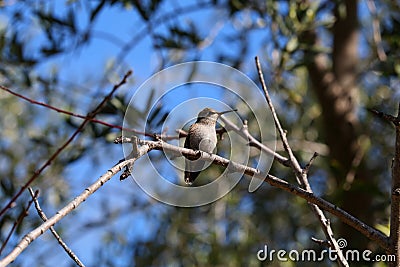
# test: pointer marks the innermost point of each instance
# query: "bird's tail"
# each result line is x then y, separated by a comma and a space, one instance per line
192, 170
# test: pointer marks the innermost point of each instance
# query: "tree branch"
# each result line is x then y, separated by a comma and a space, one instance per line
301, 174
368, 231
59, 110
43, 216
387, 117
18, 221
293, 161
394, 238
90, 115
229, 125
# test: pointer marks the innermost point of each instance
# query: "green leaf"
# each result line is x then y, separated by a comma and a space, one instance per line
292, 44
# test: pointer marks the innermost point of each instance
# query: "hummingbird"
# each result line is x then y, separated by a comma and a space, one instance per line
201, 136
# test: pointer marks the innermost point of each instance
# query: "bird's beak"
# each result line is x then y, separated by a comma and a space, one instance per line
223, 112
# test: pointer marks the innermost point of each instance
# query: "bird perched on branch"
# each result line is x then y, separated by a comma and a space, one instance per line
201, 136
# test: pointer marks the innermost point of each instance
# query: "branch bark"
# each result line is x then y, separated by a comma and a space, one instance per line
395, 208
395, 198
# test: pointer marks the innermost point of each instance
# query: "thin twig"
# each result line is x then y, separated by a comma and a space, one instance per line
21, 216
59, 110
321, 242
394, 237
229, 125
310, 162
43, 216
387, 117
293, 161
66, 143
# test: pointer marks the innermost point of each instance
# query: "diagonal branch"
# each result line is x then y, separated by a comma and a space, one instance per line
243, 132
293, 161
65, 144
387, 117
368, 231
17, 222
301, 174
63, 111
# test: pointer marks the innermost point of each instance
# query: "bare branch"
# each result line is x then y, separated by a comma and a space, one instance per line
229, 125
307, 167
18, 221
293, 162
386, 117
66, 143
43, 216
321, 242
395, 198
301, 174
59, 110
89, 118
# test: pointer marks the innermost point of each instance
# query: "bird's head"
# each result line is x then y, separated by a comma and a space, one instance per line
211, 114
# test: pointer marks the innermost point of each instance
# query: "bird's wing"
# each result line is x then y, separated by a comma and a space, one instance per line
192, 167
187, 140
